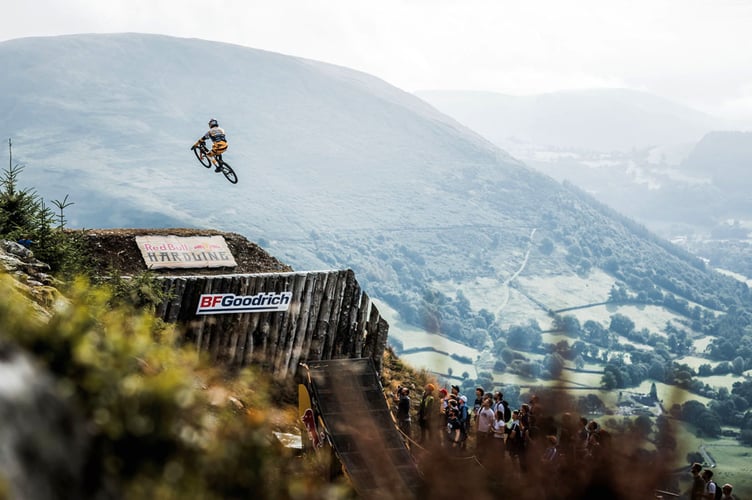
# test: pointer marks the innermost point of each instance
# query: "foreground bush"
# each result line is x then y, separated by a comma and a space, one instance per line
142, 415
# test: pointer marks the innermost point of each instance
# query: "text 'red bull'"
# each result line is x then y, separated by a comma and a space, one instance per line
227, 303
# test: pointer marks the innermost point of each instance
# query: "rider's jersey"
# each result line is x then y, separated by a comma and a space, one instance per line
216, 134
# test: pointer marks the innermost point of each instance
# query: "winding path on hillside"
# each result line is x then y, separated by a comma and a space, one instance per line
506, 283
707, 457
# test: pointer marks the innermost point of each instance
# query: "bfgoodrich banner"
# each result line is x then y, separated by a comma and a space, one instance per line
161, 252
226, 303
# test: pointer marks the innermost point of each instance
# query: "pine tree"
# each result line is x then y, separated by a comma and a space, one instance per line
25, 217
20, 209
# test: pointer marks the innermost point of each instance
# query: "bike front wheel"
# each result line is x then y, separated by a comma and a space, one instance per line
201, 156
229, 173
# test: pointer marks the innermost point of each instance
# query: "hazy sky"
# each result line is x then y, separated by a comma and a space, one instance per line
694, 51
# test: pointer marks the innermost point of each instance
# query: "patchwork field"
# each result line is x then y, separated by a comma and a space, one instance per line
437, 361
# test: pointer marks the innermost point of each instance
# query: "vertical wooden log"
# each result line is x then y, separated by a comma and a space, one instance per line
166, 285
321, 334
381, 338
290, 321
298, 330
253, 325
205, 323
343, 339
370, 345
242, 328
360, 325
220, 326
331, 338
286, 320
312, 336
273, 323
231, 346
183, 305
175, 303
265, 326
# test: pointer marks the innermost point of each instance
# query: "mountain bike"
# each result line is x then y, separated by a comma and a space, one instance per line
202, 154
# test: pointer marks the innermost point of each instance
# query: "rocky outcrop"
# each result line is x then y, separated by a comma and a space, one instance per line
32, 277
42, 440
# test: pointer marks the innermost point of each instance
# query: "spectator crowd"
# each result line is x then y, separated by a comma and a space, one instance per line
516, 441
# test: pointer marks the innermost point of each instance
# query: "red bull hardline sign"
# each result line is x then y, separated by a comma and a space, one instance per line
171, 252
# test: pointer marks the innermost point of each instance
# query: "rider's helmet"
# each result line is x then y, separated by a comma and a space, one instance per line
213, 123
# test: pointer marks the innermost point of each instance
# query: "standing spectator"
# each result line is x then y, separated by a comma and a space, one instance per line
464, 418
525, 416
594, 440
455, 391
479, 392
535, 410
498, 446
496, 406
515, 439
403, 411
697, 490
454, 430
485, 429
582, 439
426, 413
443, 414
710, 486
527, 435
726, 489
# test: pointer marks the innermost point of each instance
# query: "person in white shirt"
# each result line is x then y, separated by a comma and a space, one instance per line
485, 429
710, 486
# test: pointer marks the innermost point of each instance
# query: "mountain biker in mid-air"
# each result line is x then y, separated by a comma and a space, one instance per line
218, 138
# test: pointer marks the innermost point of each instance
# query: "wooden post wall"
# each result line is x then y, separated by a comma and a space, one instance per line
329, 317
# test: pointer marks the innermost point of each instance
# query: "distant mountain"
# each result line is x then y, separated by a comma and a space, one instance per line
337, 169
658, 162
725, 157
592, 120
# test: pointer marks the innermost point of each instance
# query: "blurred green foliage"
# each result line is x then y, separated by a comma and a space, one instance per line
161, 423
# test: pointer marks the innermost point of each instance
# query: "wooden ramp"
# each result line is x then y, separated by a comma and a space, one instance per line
349, 399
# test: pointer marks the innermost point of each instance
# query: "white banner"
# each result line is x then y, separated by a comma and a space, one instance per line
227, 303
170, 252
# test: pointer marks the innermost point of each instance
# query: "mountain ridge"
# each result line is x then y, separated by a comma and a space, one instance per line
334, 173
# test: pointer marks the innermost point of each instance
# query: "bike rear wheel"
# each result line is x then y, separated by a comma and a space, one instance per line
229, 172
201, 156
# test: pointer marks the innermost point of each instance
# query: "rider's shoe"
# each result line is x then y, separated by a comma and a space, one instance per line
218, 169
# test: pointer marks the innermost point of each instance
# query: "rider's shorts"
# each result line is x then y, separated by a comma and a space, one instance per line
219, 147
